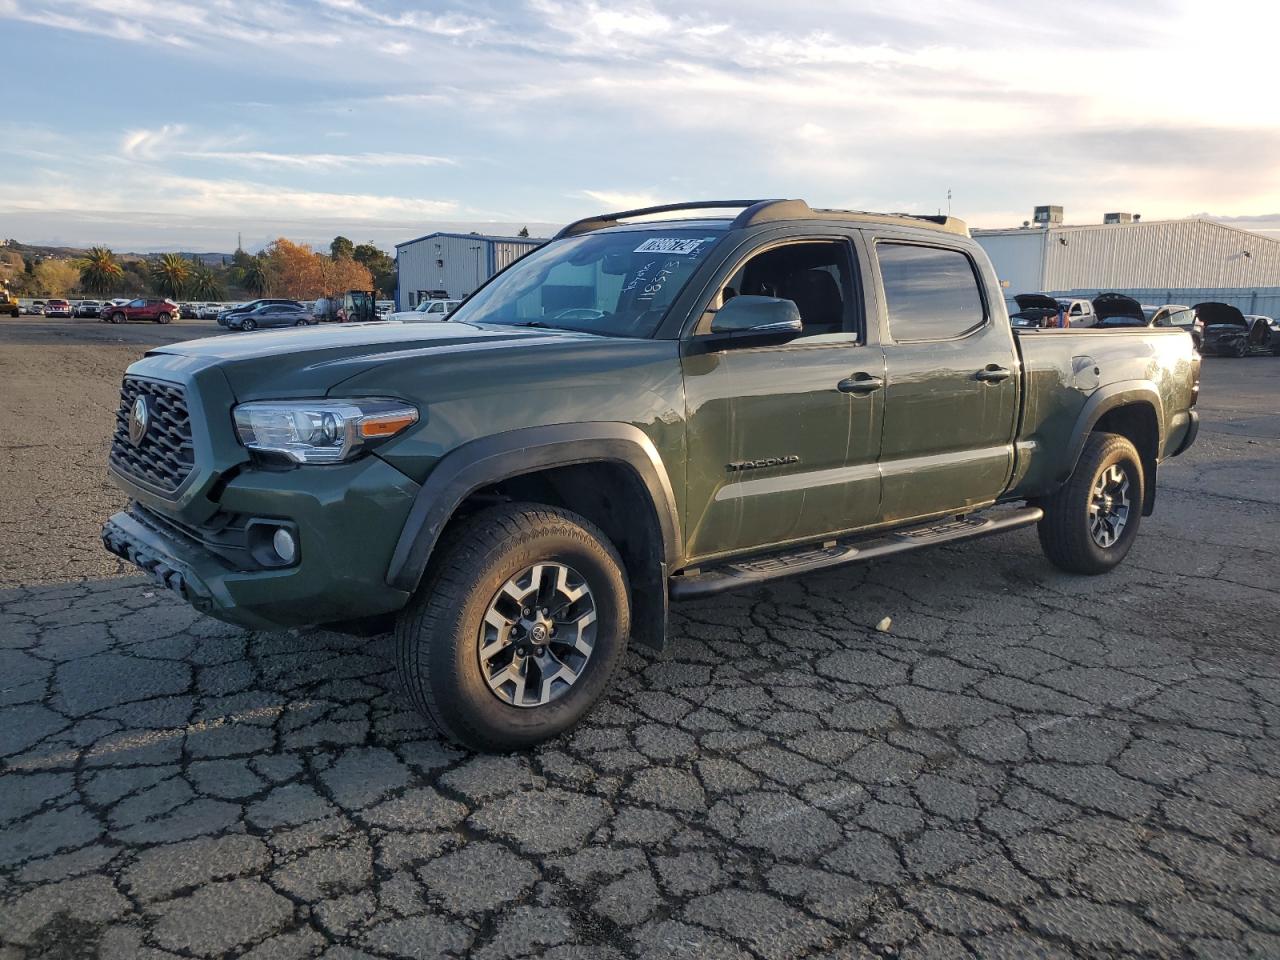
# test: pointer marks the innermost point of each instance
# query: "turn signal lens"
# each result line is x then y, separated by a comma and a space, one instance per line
378, 426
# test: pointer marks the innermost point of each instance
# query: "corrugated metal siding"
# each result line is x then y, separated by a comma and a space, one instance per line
505, 253
1180, 254
465, 262
1017, 258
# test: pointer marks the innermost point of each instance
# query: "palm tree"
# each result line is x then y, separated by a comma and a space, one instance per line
99, 271
169, 275
254, 277
204, 283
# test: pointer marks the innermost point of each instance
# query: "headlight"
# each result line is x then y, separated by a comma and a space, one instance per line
320, 431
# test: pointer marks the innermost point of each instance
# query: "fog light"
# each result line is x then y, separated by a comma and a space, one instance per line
285, 546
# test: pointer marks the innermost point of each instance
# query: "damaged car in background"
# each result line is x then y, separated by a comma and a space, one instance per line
1229, 333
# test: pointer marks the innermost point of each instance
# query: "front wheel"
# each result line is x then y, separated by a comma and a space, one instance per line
248, 324
516, 629
117, 318
1091, 522
163, 318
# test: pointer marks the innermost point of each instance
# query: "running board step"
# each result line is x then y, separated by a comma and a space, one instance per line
745, 573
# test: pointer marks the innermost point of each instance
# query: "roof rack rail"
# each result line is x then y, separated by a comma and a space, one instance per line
758, 211
602, 220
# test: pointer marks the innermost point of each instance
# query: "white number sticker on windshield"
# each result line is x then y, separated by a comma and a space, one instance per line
676, 245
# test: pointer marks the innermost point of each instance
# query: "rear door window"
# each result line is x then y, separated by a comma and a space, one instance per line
931, 293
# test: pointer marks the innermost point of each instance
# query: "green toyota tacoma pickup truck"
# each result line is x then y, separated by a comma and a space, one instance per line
638, 411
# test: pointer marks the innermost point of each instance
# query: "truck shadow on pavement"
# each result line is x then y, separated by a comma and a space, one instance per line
1024, 762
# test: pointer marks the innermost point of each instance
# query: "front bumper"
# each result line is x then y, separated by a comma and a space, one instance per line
348, 518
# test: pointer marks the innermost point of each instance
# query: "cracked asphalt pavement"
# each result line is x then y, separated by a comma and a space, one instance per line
1026, 764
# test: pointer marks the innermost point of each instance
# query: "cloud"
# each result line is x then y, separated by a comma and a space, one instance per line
514, 106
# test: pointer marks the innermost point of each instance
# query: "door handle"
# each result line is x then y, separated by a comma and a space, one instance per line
860, 384
992, 373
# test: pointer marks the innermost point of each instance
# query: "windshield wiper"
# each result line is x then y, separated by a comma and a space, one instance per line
533, 323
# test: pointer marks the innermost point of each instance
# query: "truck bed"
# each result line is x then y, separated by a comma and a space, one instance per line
1067, 373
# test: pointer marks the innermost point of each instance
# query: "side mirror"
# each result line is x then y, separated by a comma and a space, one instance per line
757, 315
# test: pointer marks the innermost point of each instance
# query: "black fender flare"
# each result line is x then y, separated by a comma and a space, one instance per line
1122, 393
492, 459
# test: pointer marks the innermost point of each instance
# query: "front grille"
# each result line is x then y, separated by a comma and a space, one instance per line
164, 458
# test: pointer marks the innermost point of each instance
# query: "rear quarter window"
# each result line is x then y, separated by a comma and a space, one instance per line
931, 293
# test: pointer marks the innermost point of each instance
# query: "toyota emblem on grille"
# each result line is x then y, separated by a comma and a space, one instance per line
139, 420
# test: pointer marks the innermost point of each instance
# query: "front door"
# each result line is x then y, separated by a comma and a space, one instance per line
780, 448
951, 395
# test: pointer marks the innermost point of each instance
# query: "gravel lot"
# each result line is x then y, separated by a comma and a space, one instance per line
1027, 764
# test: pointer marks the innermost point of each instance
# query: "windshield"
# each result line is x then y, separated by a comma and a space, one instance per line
616, 284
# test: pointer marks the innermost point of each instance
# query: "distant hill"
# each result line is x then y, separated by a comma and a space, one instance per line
38, 251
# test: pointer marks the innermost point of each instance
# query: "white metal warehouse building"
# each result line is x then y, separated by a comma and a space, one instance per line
456, 263
1159, 261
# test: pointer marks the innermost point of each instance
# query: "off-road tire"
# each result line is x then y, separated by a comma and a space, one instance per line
1064, 528
437, 635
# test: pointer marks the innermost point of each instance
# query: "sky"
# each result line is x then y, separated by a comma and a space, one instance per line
181, 124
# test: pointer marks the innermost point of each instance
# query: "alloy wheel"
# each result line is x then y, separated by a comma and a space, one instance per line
1109, 506
537, 635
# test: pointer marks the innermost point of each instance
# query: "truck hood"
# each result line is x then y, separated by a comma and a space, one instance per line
1214, 314
1028, 301
310, 361
1117, 305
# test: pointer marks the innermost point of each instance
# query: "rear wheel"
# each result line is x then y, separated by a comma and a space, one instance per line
517, 628
1091, 522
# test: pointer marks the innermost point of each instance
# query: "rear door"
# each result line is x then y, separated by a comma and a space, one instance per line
952, 377
782, 446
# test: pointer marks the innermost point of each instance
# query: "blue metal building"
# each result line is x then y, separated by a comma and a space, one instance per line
456, 263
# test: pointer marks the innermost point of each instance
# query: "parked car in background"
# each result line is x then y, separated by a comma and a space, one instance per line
1229, 333
1035, 310
87, 308
57, 308
1180, 316
34, 309
144, 308
210, 311
1120, 310
384, 307
243, 308
269, 315
190, 310
429, 310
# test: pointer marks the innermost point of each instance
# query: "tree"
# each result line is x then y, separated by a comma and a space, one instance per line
56, 278
341, 247
254, 276
342, 274
524, 232
169, 275
294, 269
381, 266
100, 272
204, 284
136, 277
